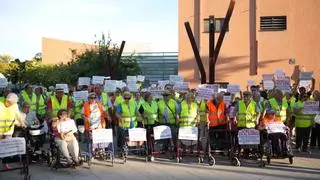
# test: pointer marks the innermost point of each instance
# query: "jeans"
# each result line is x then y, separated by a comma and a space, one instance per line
302, 137
315, 136
68, 147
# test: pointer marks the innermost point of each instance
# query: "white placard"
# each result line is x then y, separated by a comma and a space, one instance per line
311, 107
188, 133
63, 86
132, 79
140, 78
12, 146
3, 82
162, 132
233, 88
175, 78
214, 87
251, 83
110, 86
276, 128
283, 85
279, 73
84, 81
305, 75
317, 118
132, 86
156, 94
267, 77
205, 93
66, 126
80, 95
98, 80
137, 134
120, 84
248, 137
181, 86
102, 136
305, 83
267, 84
162, 84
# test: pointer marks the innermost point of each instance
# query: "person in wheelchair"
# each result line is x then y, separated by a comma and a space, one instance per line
275, 130
63, 132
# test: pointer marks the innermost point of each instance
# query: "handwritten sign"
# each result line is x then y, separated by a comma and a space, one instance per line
305, 75
97, 80
214, 87
233, 88
131, 79
102, 136
84, 81
248, 137
283, 85
276, 128
80, 95
279, 73
162, 84
175, 78
181, 86
267, 84
267, 77
188, 133
162, 132
63, 86
311, 107
205, 93
132, 86
306, 84
12, 146
110, 86
3, 82
140, 78
137, 134
120, 84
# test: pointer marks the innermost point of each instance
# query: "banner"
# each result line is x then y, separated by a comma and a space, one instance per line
162, 132
175, 78
234, 89
80, 95
12, 146
84, 81
102, 136
248, 137
3, 82
311, 107
137, 134
205, 93
98, 80
110, 86
181, 86
63, 86
188, 133
140, 78
283, 85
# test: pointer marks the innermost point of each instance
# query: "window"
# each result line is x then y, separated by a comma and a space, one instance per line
218, 25
273, 23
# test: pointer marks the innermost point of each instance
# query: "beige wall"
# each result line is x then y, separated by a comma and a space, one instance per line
300, 41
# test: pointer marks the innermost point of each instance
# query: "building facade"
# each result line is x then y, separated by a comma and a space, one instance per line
287, 31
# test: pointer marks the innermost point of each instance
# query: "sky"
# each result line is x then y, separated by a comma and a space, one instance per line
25, 22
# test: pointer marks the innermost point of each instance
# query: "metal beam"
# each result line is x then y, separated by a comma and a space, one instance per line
212, 30
196, 52
253, 38
118, 59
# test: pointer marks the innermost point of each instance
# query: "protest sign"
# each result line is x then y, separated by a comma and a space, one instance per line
132, 79
214, 87
181, 86
67, 126
12, 146
175, 78
98, 80
227, 100
268, 85
102, 136
306, 84
205, 93
162, 132
283, 85
84, 81
188, 133
279, 73
267, 77
110, 86
251, 83
311, 107
63, 86
80, 95
305, 75
233, 88
132, 86
140, 78
248, 137
276, 128
162, 84
120, 84
137, 134
3, 82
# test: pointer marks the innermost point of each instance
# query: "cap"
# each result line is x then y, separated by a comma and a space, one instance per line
59, 89
12, 97
126, 93
270, 111
92, 94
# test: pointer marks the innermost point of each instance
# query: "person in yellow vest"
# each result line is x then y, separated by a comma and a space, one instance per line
57, 102
280, 106
291, 100
40, 104
149, 113
102, 97
127, 113
10, 119
203, 123
247, 112
27, 95
303, 124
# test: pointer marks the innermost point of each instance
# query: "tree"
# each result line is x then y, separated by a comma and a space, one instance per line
5, 58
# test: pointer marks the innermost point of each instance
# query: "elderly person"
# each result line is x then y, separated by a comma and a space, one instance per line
27, 95
280, 105
57, 102
40, 103
315, 133
6, 91
65, 139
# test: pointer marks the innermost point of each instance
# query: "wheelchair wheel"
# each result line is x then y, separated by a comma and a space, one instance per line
212, 161
235, 162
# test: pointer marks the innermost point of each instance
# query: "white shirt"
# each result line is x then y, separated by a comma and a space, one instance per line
66, 126
95, 115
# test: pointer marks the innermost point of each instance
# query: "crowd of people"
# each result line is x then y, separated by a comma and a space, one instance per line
70, 121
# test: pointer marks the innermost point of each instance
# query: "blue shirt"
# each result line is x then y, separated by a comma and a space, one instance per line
119, 111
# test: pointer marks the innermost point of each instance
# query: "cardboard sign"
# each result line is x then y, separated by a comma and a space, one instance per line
175, 78
267, 77
12, 146
63, 86
311, 107
141, 78
276, 128
3, 82
181, 86
233, 88
305, 75
162, 132
80, 95
248, 137
110, 86
188, 133
98, 80
205, 93
283, 85
137, 134
84, 81
132, 86
268, 84
102, 136
251, 83
279, 73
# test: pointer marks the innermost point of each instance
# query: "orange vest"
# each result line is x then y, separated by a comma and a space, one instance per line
87, 113
266, 121
216, 115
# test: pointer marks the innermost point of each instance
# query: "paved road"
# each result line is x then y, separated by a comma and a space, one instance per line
305, 167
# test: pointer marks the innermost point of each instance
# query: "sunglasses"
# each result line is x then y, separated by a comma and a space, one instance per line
92, 97
165, 95
127, 98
